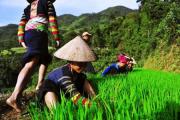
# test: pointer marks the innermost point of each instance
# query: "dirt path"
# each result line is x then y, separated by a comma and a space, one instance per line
7, 113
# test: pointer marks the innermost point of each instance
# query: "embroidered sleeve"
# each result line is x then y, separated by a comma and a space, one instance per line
53, 21
69, 88
78, 99
21, 28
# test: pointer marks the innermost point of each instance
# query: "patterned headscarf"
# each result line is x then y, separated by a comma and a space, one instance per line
122, 59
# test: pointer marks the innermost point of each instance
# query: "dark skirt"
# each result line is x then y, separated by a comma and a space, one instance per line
47, 86
37, 43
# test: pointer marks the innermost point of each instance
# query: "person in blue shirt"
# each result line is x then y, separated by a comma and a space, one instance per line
124, 65
120, 67
69, 79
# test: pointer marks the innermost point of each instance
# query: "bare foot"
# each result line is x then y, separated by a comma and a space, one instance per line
13, 104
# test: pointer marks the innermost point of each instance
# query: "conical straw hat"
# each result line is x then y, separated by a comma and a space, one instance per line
76, 50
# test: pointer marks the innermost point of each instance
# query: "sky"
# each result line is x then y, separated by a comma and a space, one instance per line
11, 10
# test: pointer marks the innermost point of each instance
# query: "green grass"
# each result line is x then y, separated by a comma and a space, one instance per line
18, 50
142, 94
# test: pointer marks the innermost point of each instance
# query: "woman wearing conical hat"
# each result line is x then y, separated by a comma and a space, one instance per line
69, 78
33, 36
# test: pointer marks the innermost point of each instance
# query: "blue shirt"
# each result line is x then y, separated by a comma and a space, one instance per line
114, 68
69, 82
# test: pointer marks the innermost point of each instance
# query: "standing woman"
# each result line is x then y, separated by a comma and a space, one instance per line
33, 36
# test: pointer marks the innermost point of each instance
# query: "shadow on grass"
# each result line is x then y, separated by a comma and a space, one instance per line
170, 112
94, 83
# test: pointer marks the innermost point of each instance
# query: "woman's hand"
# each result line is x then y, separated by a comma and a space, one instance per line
23, 45
58, 43
88, 88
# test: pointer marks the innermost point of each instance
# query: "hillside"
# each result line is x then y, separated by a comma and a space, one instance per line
8, 37
69, 25
147, 34
116, 11
86, 19
66, 19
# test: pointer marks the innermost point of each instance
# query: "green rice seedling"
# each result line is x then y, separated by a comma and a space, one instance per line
142, 94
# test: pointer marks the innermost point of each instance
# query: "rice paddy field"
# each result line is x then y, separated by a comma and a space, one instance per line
139, 95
